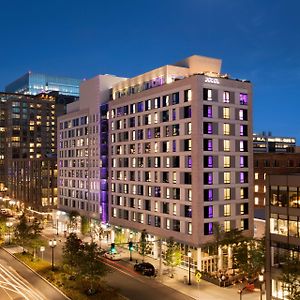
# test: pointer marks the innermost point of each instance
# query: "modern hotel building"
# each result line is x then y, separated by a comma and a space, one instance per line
175, 153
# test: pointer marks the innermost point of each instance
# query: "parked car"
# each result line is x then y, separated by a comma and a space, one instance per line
145, 268
112, 256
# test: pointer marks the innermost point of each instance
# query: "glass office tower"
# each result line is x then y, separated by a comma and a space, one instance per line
36, 83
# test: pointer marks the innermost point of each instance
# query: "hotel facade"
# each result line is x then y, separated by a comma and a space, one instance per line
174, 154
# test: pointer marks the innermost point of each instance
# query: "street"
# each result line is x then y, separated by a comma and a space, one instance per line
18, 282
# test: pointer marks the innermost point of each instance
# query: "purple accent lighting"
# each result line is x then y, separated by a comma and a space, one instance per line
243, 99
210, 195
209, 112
210, 161
189, 162
210, 211
210, 228
210, 178
242, 177
242, 162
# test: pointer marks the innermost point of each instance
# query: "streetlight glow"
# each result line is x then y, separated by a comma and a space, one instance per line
52, 244
189, 259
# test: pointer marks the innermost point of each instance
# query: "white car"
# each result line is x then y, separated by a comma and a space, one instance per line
112, 256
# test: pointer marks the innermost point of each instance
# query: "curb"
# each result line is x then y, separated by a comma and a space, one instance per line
56, 288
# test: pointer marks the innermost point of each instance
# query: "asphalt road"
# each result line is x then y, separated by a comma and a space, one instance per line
136, 287
18, 282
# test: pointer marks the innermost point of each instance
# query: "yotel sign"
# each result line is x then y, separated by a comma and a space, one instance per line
212, 80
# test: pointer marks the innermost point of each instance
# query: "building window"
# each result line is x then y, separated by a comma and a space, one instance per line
243, 177
243, 146
208, 211
226, 97
227, 178
208, 161
187, 95
244, 193
208, 228
189, 228
227, 226
226, 145
227, 210
226, 129
244, 161
256, 188
208, 195
243, 99
207, 94
208, 178
226, 113
208, 145
207, 128
243, 130
243, 115
256, 176
207, 111
227, 194
226, 160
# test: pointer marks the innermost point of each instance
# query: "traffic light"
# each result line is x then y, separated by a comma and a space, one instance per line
113, 248
130, 246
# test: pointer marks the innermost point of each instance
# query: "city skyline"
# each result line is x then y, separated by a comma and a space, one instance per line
256, 41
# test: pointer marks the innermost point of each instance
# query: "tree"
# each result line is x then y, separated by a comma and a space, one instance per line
35, 238
90, 267
22, 231
72, 252
249, 257
291, 278
73, 219
143, 246
85, 226
173, 255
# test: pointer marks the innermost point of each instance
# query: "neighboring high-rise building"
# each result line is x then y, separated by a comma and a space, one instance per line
180, 154
35, 83
80, 146
282, 231
263, 143
272, 163
28, 156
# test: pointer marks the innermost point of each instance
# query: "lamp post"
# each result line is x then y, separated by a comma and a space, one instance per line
130, 245
261, 280
52, 244
57, 218
9, 225
189, 258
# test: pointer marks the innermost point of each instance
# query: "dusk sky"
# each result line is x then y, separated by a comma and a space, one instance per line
257, 40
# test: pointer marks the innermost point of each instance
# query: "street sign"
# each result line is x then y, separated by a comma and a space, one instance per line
198, 276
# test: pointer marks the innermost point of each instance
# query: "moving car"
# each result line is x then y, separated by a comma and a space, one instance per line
112, 256
145, 268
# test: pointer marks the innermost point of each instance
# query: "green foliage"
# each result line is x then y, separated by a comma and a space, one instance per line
291, 278
73, 220
144, 247
120, 237
173, 256
85, 226
249, 257
22, 231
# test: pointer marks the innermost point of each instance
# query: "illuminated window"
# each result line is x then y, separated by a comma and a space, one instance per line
187, 95
226, 129
174, 209
226, 161
189, 228
255, 176
226, 113
174, 177
227, 194
226, 97
227, 210
156, 206
227, 177
189, 195
226, 226
226, 145
168, 224
256, 188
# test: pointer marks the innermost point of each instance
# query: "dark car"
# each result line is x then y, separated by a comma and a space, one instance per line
145, 268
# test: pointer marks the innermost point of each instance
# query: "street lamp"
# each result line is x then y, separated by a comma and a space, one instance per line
57, 218
9, 225
261, 280
189, 258
130, 245
52, 244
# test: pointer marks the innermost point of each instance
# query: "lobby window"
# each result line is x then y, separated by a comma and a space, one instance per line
226, 129
207, 94
227, 210
243, 99
208, 145
207, 111
207, 128
226, 160
227, 226
227, 177
208, 228
208, 211
226, 97
226, 113
227, 194
187, 95
226, 145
